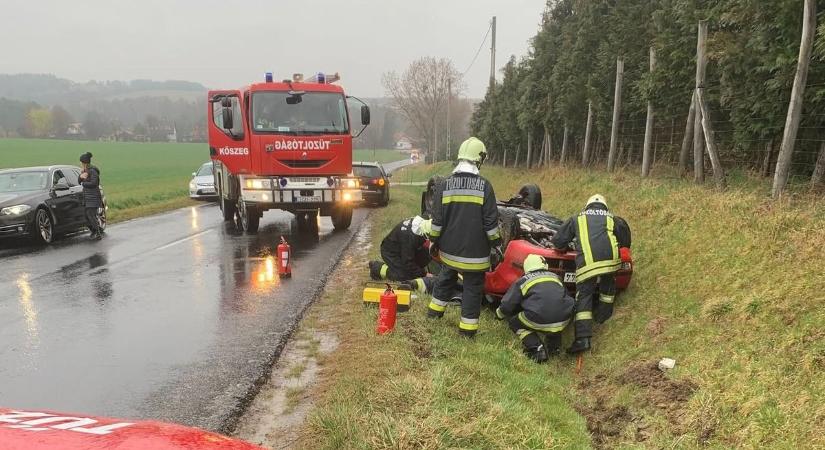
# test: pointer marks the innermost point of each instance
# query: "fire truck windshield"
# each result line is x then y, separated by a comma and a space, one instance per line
312, 113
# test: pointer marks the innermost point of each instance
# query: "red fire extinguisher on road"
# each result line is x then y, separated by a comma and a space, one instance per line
387, 307
284, 259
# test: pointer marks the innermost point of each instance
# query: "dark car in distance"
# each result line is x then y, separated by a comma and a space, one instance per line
43, 202
375, 182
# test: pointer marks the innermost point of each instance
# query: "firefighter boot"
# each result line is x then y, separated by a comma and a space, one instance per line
552, 344
377, 271
579, 345
537, 354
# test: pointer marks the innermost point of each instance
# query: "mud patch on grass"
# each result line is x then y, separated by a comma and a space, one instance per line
610, 423
278, 411
655, 327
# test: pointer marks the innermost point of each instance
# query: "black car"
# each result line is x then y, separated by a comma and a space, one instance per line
375, 182
43, 202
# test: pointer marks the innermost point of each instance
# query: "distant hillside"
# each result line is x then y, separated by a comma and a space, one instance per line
50, 90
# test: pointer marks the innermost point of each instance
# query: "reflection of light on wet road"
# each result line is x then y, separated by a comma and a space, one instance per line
28, 309
194, 218
265, 276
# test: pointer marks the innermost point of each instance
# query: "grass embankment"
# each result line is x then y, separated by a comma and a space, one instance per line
138, 178
728, 284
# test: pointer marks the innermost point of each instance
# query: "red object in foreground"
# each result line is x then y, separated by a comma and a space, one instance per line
284, 259
48, 430
387, 308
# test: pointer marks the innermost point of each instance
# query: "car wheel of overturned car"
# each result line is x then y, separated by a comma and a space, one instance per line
44, 227
531, 194
429, 193
508, 226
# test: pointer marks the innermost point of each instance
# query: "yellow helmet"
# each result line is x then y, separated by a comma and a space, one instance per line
533, 263
598, 198
473, 150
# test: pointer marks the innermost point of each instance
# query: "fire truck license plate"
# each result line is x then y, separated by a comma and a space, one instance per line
570, 277
309, 199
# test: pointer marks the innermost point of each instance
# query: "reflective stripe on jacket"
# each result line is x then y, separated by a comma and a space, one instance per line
596, 243
540, 301
465, 222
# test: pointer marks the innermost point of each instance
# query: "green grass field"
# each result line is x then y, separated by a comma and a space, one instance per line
139, 178
728, 284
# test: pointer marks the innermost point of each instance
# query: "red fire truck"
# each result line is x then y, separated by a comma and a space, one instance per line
284, 145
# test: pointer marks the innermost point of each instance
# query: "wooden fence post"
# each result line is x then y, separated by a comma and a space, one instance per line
586, 148
564, 145
710, 140
617, 107
684, 155
646, 150
701, 63
783, 161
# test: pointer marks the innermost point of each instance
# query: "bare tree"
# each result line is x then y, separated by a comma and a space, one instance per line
421, 92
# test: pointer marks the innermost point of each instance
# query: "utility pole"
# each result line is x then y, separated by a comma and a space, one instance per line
493, 54
449, 117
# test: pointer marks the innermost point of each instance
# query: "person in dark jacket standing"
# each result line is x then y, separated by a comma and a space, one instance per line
464, 231
90, 180
537, 304
595, 230
405, 258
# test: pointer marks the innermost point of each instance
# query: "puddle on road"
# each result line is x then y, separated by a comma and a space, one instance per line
278, 411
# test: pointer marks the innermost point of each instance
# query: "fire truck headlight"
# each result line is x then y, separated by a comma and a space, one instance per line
347, 197
257, 184
352, 183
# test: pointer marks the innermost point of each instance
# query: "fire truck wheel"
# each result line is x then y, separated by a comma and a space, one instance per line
227, 209
342, 217
249, 217
307, 221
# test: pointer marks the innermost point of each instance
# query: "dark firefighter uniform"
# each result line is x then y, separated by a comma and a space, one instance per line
537, 304
464, 229
405, 258
595, 230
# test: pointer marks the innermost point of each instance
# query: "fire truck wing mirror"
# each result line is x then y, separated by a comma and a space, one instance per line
365, 115
226, 114
226, 102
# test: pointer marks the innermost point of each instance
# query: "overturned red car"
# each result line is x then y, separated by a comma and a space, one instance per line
526, 229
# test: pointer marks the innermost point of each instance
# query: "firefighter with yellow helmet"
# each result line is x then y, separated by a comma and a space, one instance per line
595, 231
464, 230
537, 304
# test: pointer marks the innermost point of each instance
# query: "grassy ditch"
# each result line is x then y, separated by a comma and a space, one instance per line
728, 284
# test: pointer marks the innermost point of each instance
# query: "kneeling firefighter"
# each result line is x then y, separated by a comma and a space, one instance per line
537, 304
464, 231
595, 230
405, 257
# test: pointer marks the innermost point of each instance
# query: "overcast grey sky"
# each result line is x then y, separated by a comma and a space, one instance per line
225, 44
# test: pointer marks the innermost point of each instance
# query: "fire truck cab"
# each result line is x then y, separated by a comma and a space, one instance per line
284, 145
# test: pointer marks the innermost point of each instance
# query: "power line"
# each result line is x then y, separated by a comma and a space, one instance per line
479, 50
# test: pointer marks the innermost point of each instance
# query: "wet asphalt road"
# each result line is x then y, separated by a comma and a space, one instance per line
176, 317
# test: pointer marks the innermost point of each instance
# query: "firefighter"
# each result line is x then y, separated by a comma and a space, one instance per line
464, 231
537, 304
595, 230
90, 180
405, 257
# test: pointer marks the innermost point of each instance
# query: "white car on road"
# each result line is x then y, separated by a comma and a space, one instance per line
202, 185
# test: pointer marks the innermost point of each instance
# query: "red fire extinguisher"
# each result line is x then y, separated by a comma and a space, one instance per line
387, 307
284, 259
